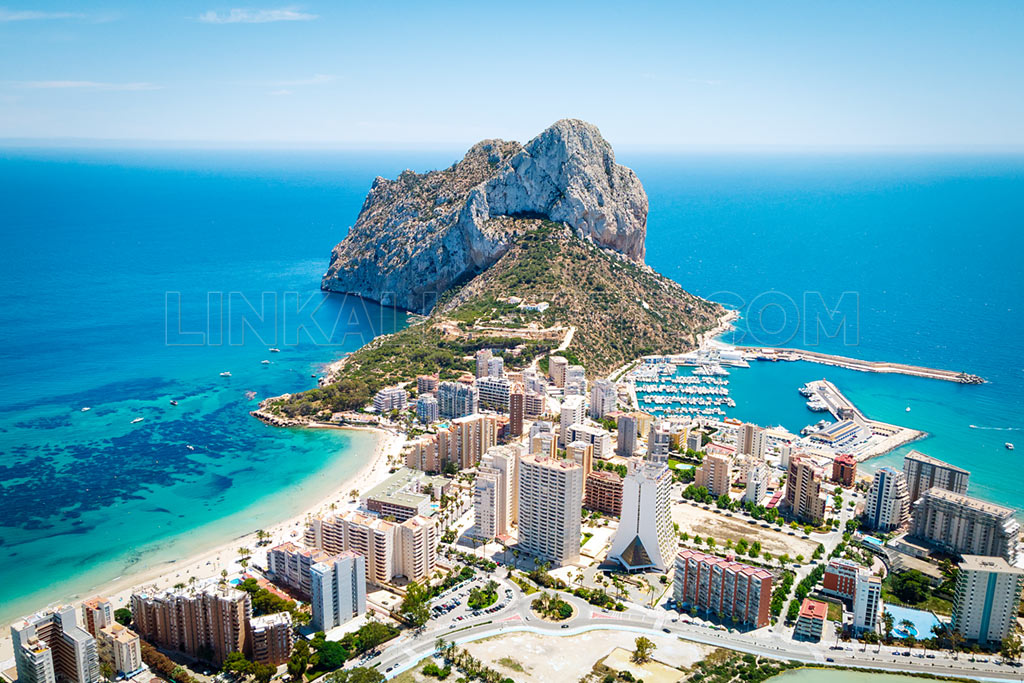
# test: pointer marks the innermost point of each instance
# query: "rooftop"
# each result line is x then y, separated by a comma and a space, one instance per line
813, 609
921, 457
968, 502
982, 563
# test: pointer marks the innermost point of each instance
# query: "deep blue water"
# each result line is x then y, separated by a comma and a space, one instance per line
103, 250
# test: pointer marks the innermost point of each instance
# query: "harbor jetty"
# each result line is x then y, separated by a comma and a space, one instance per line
787, 354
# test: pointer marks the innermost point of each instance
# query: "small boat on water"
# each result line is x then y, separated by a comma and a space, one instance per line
86, 409
274, 349
137, 420
190, 447
225, 374
1009, 446
265, 362
908, 409
173, 402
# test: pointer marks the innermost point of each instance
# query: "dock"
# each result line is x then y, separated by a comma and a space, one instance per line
884, 367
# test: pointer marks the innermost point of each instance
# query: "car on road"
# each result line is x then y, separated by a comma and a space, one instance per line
565, 625
829, 659
666, 630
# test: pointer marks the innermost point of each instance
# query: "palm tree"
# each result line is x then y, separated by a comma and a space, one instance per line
179, 586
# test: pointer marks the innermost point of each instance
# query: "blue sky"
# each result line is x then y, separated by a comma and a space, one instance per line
707, 74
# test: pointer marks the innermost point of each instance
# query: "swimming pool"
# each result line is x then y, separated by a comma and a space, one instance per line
922, 622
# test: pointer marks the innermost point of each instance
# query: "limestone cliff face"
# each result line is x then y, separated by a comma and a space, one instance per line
419, 234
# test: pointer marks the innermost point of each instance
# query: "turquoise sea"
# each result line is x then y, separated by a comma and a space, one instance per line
132, 278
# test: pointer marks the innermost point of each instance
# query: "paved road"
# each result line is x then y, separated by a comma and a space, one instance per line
408, 650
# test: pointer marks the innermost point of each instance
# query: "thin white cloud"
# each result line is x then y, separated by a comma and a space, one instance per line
87, 85
256, 16
34, 15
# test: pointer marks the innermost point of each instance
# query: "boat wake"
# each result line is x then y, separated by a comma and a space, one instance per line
997, 429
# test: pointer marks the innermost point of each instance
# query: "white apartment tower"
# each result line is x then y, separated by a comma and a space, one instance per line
338, 590
603, 395
51, 647
888, 504
550, 498
751, 441
985, 599
645, 538
494, 493
867, 601
572, 413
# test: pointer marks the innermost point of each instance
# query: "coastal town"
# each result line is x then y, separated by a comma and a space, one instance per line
536, 499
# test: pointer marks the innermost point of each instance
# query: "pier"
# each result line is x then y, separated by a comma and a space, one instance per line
787, 354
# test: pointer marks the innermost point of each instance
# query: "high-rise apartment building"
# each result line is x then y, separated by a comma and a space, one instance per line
599, 439
715, 473
626, 433
716, 585
120, 648
645, 538
457, 399
964, 525
659, 442
339, 590
985, 599
390, 398
427, 410
206, 622
844, 470
603, 492
473, 436
924, 472
272, 638
557, 365
426, 384
550, 498
888, 504
867, 603
494, 393
494, 493
290, 565
804, 496
483, 358
758, 479
751, 440
50, 646
571, 414
603, 395
516, 410
97, 613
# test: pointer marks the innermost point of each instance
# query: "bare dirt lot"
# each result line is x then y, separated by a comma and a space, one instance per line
700, 522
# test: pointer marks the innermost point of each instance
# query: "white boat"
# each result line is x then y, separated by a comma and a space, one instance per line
265, 362
190, 447
138, 419
908, 409
274, 349
1009, 446
86, 409
225, 374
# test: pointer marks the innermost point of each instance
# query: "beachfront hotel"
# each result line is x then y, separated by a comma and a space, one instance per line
50, 646
550, 498
716, 585
985, 599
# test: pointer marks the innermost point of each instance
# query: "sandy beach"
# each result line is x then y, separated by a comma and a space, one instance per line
211, 562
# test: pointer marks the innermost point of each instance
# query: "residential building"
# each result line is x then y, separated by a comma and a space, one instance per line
483, 358
924, 472
600, 439
715, 585
120, 648
804, 496
888, 505
811, 622
967, 526
534, 404
557, 365
516, 410
339, 590
715, 473
627, 430
985, 599
426, 384
424, 453
659, 442
272, 638
427, 410
416, 548
473, 436
581, 452
457, 399
571, 413
840, 578
751, 440
495, 495
645, 538
867, 603
550, 497
603, 395
404, 494
50, 646
290, 565
604, 492
97, 613
758, 480
207, 622
575, 381
390, 398
844, 470
496, 367
494, 393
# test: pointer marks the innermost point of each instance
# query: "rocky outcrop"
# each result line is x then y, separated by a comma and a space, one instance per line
419, 234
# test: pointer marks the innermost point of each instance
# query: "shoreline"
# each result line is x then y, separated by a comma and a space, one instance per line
210, 562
